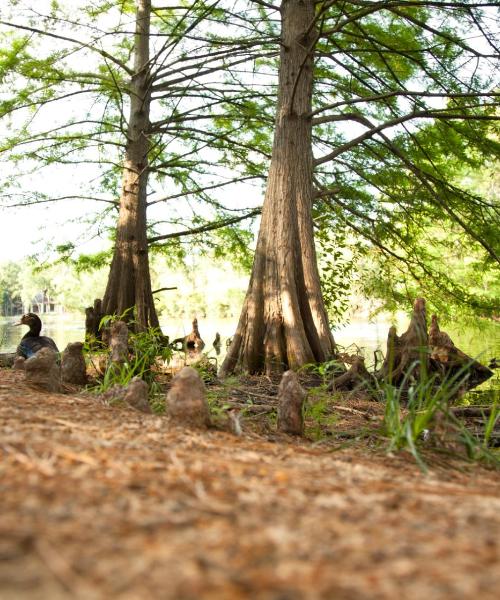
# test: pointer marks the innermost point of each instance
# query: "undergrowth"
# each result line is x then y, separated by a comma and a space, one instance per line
217, 397
318, 414
146, 349
417, 416
427, 418
411, 410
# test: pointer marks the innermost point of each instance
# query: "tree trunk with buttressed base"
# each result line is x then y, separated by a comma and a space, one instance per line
283, 324
129, 281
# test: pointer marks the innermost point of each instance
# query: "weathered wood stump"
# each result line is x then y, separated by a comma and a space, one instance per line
290, 400
408, 353
7, 359
186, 401
217, 344
19, 363
73, 368
43, 372
416, 354
357, 377
450, 361
136, 395
191, 342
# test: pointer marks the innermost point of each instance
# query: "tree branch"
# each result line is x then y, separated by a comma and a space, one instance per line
205, 228
409, 93
73, 41
266, 4
163, 289
392, 123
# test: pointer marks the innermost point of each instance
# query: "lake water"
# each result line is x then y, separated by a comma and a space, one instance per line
480, 340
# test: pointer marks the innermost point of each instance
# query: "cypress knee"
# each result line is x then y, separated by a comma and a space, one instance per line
73, 368
186, 401
290, 400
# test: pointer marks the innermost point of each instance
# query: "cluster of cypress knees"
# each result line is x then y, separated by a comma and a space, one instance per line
39, 357
187, 405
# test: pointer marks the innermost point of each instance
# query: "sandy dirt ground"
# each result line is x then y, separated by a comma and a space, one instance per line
105, 502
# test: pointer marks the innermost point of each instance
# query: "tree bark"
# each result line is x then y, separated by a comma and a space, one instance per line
283, 324
129, 281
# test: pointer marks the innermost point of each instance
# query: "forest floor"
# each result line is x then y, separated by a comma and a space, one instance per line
105, 502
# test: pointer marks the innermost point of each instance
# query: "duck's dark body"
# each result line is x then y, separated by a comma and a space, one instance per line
32, 342
29, 346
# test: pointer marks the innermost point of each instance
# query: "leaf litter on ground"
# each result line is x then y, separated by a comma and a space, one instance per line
105, 502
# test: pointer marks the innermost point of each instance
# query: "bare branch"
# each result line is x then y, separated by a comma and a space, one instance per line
163, 289
205, 228
266, 5
201, 190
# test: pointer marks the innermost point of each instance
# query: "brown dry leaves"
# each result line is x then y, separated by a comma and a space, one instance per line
100, 502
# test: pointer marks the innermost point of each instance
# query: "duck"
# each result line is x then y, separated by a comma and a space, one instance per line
32, 341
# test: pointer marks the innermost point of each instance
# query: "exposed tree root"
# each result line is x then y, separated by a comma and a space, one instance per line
416, 355
357, 377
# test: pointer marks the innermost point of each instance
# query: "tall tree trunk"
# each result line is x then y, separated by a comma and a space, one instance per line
283, 324
129, 281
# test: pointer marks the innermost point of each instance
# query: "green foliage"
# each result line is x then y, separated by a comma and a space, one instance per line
428, 401
108, 320
326, 370
205, 287
10, 288
217, 396
393, 193
150, 345
87, 263
337, 258
318, 415
491, 423
233, 244
146, 348
423, 404
207, 369
456, 278
120, 375
67, 74
73, 289
383, 70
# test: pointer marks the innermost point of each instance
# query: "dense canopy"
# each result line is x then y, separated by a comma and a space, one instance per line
403, 126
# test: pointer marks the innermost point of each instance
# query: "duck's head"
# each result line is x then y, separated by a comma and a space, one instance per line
32, 321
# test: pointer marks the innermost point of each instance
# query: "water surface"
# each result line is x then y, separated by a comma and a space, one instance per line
62, 328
